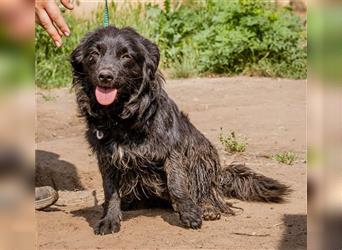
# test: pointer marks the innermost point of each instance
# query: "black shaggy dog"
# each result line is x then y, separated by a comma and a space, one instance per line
146, 148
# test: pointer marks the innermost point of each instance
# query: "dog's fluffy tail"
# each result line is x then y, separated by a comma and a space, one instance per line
238, 181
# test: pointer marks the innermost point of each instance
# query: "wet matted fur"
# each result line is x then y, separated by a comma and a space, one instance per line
146, 147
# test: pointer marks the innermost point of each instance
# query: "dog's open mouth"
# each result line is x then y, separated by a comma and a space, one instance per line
105, 96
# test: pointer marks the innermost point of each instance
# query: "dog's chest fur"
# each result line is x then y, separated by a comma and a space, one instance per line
140, 164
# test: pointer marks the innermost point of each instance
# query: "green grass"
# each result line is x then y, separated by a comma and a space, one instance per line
248, 37
287, 157
232, 143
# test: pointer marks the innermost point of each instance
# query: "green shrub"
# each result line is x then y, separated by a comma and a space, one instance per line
246, 36
249, 37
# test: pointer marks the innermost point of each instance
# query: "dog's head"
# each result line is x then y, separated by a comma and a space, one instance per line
114, 65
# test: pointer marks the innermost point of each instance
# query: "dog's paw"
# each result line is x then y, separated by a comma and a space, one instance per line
107, 225
211, 213
192, 219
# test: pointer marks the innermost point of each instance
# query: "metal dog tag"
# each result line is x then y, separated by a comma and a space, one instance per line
99, 134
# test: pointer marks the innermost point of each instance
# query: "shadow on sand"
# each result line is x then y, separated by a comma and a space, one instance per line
52, 171
294, 236
147, 209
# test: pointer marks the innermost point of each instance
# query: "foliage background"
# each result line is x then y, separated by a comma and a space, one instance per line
248, 37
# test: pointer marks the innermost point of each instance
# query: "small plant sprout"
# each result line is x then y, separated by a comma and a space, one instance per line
285, 157
48, 98
232, 143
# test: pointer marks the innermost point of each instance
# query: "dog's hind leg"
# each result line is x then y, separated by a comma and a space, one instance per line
204, 172
210, 212
177, 183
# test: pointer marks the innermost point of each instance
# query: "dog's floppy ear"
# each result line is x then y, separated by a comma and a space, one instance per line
77, 57
151, 60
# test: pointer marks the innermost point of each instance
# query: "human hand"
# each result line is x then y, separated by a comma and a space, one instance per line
49, 16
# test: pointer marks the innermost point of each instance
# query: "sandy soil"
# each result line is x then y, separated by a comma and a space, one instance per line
271, 113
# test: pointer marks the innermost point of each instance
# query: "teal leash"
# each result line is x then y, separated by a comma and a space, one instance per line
106, 15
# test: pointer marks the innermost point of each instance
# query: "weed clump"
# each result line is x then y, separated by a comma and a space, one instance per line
232, 143
285, 157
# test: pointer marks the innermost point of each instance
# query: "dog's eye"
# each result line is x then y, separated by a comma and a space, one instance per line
93, 56
125, 56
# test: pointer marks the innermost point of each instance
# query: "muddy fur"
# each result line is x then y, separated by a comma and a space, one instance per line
149, 149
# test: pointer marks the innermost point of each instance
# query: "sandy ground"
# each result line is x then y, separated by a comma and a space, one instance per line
271, 113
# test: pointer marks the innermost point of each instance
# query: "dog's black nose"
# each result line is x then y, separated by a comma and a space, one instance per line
106, 76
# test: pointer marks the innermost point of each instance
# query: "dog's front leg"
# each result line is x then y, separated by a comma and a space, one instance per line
110, 221
178, 187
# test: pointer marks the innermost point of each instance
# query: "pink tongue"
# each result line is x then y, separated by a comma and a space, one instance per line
105, 96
